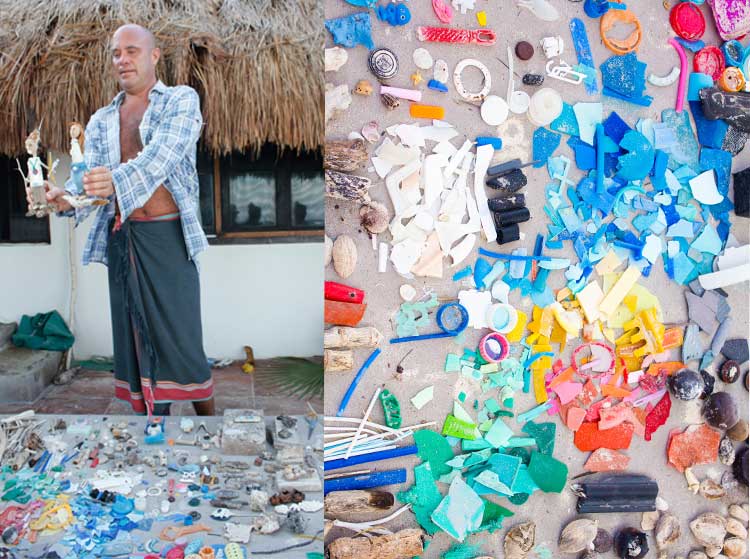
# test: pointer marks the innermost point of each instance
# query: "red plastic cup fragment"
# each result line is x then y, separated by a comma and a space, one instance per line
698, 444
658, 416
709, 60
687, 21
589, 437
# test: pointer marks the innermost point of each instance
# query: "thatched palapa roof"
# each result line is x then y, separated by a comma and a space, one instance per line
256, 64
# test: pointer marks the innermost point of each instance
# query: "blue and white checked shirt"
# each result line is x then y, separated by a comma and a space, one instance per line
169, 132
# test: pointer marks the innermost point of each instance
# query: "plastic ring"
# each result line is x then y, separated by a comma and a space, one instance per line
452, 318
620, 46
153, 491
494, 347
577, 350
469, 96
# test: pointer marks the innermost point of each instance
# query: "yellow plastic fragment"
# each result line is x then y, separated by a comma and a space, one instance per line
619, 290
644, 328
416, 78
609, 334
482, 18
570, 321
590, 297
631, 302
515, 335
559, 336
540, 393
545, 321
608, 264
564, 293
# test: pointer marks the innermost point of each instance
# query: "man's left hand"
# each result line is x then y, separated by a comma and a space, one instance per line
98, 182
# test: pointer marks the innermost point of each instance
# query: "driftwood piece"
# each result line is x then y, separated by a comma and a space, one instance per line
345, 155
347, 187
340, 504
335, 360
401, 545
342, 336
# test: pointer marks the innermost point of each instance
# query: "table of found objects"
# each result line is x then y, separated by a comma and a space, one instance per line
231, 487
537, 285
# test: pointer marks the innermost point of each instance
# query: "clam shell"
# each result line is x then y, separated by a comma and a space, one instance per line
577, 536
709, 529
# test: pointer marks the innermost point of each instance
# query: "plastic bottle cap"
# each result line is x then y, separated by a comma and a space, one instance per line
519, 102
687, 21
494, 110
709, 60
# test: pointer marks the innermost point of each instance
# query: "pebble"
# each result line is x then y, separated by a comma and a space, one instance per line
532, 79
577, 536
631, 544
524, 50
738, 512
709, 530
603, 541
649, 519
736, 528
713, 551
726, 451
729, 372
667, 530
735, 548
588, 554
739, 432
422, 59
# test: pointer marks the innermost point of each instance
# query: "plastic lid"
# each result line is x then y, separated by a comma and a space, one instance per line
494, 110
709, 60
687, 21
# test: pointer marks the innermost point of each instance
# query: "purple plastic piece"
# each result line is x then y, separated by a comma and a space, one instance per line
732, 17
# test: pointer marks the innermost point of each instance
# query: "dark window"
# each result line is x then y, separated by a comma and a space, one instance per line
273, 194
15, 227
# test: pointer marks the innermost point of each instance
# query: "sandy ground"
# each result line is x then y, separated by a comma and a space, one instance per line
549, 511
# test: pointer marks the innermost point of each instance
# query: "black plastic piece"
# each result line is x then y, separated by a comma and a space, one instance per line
510, 217
504, 203
508, 183
741, 183
733, 107
616, 493
508, 234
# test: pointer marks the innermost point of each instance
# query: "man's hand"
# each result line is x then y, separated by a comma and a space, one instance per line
55, 197
98, 182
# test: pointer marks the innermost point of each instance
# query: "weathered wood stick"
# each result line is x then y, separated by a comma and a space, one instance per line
401, 545
344, 155
340, 504
342, 336
337, 360
347, 187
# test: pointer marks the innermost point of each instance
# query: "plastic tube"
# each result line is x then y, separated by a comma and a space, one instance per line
366, 481
372, 457
355, 382
683, 74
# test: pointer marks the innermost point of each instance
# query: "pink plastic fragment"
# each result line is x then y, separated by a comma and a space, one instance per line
606, 460
401, 93
575, 418
649, 398
567, 391
683, 74
442, 10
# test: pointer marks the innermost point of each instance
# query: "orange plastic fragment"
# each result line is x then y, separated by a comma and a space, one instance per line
426, 111
672, 338
343, 314
575, 418
606, 460
668, 368
698, 444
589, 437
589, 392
565, 376
614, 391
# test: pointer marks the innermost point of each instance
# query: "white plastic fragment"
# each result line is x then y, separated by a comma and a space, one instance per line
407, 292
440, 71
461, 89
494, 110
335, 58
476, 303
546, 105
664, 81
541, 9
552, 46
704, 188
422, 59
481, 164
382, 257
461, 251
723, 278
423, 397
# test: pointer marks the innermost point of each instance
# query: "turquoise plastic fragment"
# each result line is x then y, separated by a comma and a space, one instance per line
412, 316
492, 405
477, 444
708, 241
506, 466
499, 434
462, 551
452, 363
588, 115
433, 448
548, 473
424, 497
543, 434
462, 273
488, 481
533, 412
544, 144
686, 150
636, 164
481, 268
566, 122
460, 512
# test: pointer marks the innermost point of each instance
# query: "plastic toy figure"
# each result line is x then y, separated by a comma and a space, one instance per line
34, 180
77, 169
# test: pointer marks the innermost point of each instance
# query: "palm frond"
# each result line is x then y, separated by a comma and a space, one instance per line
295, 377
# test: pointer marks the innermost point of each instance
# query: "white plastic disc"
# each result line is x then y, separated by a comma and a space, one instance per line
519, 102
494, 110
545, 106
422, 59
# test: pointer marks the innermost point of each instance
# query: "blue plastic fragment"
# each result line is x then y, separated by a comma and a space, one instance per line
585, 155
394, 13
615, 127
583, 50
696, 82
544, 144
638, 162
481, 269
596, 8
624, 77
352, 30
437, 86
496, 143
362, 3
692, 46
685, 152
711, 133
566, 122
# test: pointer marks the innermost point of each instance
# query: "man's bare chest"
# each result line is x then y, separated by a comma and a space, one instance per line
130, 137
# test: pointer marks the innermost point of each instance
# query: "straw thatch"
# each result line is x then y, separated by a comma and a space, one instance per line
256, 64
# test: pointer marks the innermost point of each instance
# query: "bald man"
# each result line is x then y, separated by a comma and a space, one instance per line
140, 152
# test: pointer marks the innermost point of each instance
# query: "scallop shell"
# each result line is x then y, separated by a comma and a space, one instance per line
577, 536
344, 255
735, 548
440, 72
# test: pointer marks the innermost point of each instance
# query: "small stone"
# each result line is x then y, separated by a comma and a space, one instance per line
649, 519
739, 468
631, 543
735, 548
736, 528
588, 554
736, 350
695, 554
603, 541
708, 384
729, 372
524, 50
686, 384
739, 432
532, 79
736, 511
709, 489
577, 536
661, 504
667, 531
720, 410
726, 451
709, 530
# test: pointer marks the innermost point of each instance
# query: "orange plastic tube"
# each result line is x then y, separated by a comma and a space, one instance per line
343, 314
426, 111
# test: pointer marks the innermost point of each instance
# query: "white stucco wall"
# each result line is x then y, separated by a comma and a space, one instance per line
269, 297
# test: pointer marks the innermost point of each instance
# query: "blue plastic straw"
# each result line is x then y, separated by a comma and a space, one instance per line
372, 457
365, 481
519, 257
355, 381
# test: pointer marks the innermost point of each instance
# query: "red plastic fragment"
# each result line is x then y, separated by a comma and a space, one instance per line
334, 291
606, 460
653, 384
709, 60
589, 437
592, 414
687, 21
698, 444
658, 416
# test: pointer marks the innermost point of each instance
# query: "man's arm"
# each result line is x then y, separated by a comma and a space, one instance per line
180, 127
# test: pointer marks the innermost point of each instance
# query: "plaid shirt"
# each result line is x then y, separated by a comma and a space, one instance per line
169, 133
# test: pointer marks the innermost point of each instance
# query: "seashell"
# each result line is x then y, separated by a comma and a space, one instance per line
407, 292
648, 520
736, 511
422, 59
692, 481
735, 548
603, 541
697, 554
440, 72
370, 132
736, 528
344, 254
328, 247
709, 489
519, 540
709, 529
335, 58
577, 536
713, 550
374, 217
661, 504
363, 87
667, 530
389, 101
588, 554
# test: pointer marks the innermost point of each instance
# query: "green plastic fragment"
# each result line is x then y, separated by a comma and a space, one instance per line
391, 409
433, 448
423, 397
493, 516
499, 434
519, 498
454, 427
485, 425
462, 397
544, 434
547, 472
423, 496
412, 316
476, 404
315, 555
462, 551
514, 442
452, 363
476, 444
504, 413
460, 512
492, 405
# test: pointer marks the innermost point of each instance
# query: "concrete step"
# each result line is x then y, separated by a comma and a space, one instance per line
7, 329
25, 373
